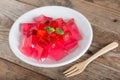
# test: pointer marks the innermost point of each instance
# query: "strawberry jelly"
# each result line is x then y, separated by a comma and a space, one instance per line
72, 27
57, 51
49, 38
42, 19
32, 48
26, 28
28, 45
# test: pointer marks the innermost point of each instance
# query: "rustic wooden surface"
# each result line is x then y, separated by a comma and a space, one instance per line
104, 16
11, 71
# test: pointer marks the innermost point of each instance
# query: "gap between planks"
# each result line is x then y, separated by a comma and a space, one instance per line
31, 4
112, 4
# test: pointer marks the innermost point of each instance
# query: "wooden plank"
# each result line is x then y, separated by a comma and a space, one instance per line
10, 71
13, 9
36, 3
99, 16
39, 3
5, 22
113, 4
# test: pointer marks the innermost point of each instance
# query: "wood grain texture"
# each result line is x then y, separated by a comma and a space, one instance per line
113, 4
10, 71
13, 9
38, 3
99, 16
105, 22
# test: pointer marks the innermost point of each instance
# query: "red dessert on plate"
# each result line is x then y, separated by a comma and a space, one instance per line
49, 38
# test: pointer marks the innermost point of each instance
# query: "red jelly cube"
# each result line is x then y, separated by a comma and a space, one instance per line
43, 36
28, 45
36, 53
42, 33
27, 27
26, 51
42, 19
44, 55
57, 51
57, 23
54, 24
25, 42
65, 28
41, 54
73, 29
67, 35
33, 32
55, 37
42, 25
70, 44
29, 41
31, 48
60, 21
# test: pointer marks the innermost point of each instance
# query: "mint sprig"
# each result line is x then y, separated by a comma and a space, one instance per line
49, 29
59, 31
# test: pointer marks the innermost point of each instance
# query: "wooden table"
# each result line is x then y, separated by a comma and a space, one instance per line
104, 16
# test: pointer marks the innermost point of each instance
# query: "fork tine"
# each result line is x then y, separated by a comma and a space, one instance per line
72, 71
71, 68
75, 73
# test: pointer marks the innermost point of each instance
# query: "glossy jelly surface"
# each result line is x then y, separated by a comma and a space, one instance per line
49, 38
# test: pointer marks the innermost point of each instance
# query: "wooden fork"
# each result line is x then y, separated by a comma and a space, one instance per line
79, 67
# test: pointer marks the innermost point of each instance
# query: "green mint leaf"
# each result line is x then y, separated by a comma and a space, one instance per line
59, 31
49, 29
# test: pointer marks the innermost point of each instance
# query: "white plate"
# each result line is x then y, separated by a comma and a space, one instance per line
55, 12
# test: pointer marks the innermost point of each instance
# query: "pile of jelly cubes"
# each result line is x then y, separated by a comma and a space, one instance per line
46, 37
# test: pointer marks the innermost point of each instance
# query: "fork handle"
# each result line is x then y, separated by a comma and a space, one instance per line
102, 51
